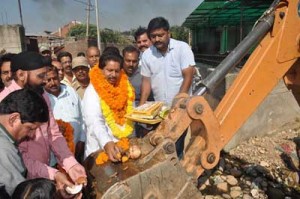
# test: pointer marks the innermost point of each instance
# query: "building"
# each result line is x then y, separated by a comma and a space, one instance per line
64, 30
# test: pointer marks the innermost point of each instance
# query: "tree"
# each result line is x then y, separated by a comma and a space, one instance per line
110, 36
79, 31
107, 35
180, 33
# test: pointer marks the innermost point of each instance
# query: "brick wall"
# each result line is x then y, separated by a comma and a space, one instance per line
75, 46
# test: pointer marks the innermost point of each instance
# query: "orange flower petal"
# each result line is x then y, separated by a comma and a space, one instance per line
68, 134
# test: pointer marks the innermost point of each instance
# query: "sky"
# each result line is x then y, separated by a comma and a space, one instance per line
121, 15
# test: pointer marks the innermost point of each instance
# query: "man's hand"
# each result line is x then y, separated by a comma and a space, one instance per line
113, 151
145, 89
76, 172
62, 182
187, 74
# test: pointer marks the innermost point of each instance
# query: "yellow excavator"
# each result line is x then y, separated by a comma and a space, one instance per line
158, 173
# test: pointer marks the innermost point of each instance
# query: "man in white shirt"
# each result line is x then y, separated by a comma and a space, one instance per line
65, 58
60, 69
66, 105
167, 67
142, 40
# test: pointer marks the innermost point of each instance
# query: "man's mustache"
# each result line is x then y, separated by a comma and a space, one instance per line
158, 43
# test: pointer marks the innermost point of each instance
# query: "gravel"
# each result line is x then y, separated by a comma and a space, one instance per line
261, 167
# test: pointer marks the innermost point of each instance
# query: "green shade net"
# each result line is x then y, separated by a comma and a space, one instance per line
211, 13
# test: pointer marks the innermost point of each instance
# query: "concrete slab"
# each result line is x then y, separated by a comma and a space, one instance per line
12, 38
278, 109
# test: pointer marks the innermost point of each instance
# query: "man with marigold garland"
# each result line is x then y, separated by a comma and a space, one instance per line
106, 101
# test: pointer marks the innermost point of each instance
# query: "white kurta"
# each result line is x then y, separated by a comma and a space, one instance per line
98, 131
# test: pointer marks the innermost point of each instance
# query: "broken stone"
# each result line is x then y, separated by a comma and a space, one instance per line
235, 188
202, 187
223, 177
217, 179
254, 193
254, 185
221, 164
235, 194
228, 166
264, 164
231, 180
222, 187
248, 183
235, 172
264, 184
207, 183
262, 151
225, 195
246, 196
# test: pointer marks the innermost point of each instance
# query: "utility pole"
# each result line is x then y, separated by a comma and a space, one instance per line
88, 8
98, 26
20, 11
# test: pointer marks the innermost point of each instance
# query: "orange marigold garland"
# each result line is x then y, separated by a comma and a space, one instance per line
67, 131
114, 96
116, 101
123, 143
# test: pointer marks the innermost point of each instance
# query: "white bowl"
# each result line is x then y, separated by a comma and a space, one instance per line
74, 190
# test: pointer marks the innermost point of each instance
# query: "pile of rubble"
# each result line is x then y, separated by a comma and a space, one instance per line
258, 168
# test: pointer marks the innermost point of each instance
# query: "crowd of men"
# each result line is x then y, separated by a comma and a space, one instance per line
37, 91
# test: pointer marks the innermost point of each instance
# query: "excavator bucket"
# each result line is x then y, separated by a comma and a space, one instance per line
157, 174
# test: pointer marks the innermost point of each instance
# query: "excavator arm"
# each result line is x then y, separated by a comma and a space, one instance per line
278, 51
159, 173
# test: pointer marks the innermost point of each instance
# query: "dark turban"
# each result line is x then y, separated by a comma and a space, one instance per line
27, 61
